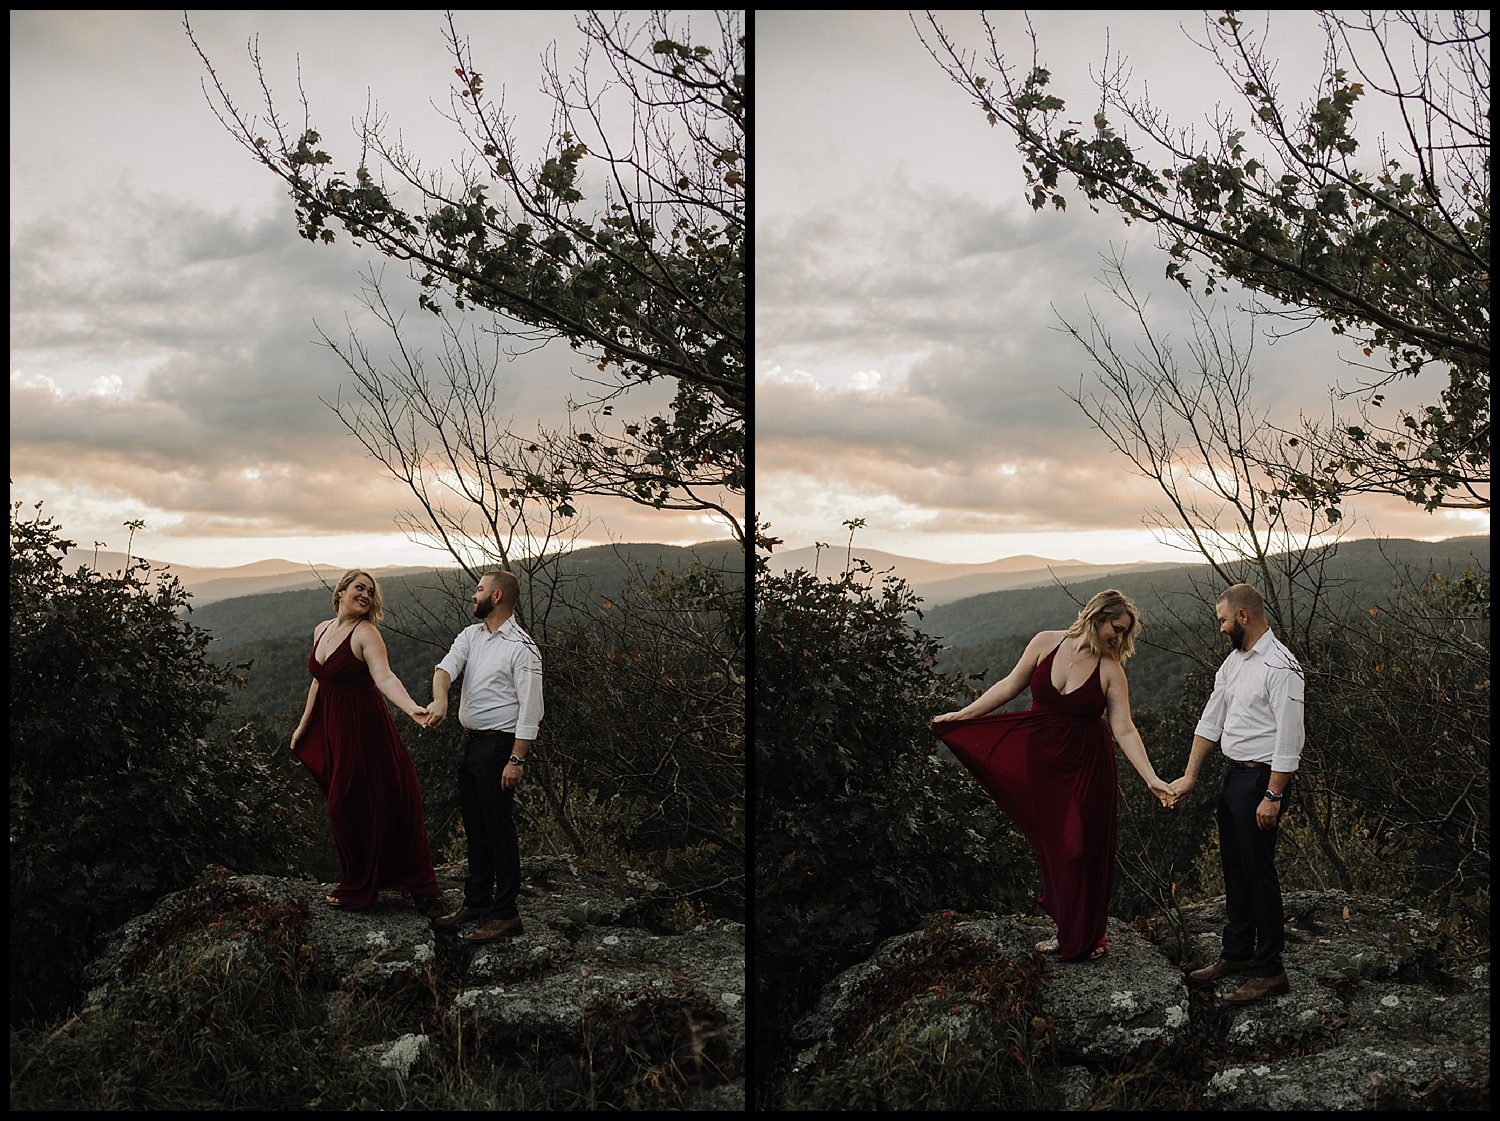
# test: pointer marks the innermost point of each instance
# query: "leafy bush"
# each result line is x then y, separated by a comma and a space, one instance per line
860, 828
1397, 764
117, 791
642, 764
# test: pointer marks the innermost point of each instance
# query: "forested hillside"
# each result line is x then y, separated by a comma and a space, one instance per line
987, 634
273, 631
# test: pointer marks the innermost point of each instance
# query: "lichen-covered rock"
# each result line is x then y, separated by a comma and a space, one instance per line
581, 961
1368, 1014
1348, 1077
1104, 1009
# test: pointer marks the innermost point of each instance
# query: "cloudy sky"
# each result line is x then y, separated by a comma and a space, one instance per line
163, 308
909, 366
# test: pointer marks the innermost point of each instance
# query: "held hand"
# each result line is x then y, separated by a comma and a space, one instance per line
1164, 793
436, 710
1181, 787
421, 716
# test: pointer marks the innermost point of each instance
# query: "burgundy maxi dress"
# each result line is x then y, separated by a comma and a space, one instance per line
374, 802
1051, 769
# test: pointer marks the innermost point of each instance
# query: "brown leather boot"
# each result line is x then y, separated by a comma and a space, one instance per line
462, 915
1220, 968
1256, 987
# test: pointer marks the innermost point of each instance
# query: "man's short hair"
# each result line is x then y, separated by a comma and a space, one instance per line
1244, 596
507, 583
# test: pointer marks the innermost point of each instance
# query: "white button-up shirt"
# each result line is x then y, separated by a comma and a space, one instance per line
502, 679
1255, 713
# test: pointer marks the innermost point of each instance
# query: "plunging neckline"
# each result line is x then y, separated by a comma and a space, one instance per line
1085, 681
336, 649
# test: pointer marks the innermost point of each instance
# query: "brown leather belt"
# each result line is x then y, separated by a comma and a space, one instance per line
475, 734
1228, 762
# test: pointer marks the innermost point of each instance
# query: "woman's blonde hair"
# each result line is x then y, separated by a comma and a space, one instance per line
377, 602
1103, 607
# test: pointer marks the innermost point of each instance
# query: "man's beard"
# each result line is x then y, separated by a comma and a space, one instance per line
1236, 637
483, 608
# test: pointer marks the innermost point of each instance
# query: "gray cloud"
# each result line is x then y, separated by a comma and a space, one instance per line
226, 426
163, 307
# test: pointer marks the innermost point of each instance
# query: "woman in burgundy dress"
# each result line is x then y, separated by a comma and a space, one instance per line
1052, 767
348, 742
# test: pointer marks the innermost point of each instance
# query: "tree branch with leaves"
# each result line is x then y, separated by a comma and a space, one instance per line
646, 278
1391, 250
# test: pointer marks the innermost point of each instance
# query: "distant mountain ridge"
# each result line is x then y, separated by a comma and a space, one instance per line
939, 582
273, 630
210, 585
588, 574
987, 633
1361, 568
213, 585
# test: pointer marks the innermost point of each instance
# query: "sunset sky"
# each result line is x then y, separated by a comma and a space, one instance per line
163, 362
909, 366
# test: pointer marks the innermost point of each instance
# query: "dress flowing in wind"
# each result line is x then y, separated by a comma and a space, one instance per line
1051, 769
374, 801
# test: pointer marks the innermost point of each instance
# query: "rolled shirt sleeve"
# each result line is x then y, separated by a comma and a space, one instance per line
457, 657
1211, 723
1286, 692
527, 674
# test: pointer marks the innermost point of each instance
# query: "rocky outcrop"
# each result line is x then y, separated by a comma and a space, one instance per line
585, 977
1369, 1017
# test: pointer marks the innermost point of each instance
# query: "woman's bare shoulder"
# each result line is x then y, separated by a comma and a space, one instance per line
1112, 676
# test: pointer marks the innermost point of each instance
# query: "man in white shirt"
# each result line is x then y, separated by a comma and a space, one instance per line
500, 711
1255, 716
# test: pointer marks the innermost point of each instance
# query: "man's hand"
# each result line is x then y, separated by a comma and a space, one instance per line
436, 710
1266, 813
1180, 788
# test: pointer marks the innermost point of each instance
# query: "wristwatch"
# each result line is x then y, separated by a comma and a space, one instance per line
1269, 795
518, 761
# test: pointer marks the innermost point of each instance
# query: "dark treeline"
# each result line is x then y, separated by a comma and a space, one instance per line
1358, 575
987, 634
581, 580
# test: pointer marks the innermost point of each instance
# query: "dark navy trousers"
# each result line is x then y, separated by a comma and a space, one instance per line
1253, 928
489, 826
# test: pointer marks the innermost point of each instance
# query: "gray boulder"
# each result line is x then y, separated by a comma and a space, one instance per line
1369, 1017
584, 975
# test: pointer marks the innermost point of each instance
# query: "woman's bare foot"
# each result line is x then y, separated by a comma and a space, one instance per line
1050, 947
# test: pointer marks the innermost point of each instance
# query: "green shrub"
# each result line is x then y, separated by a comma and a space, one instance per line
120, 790
860, 828
641, 760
